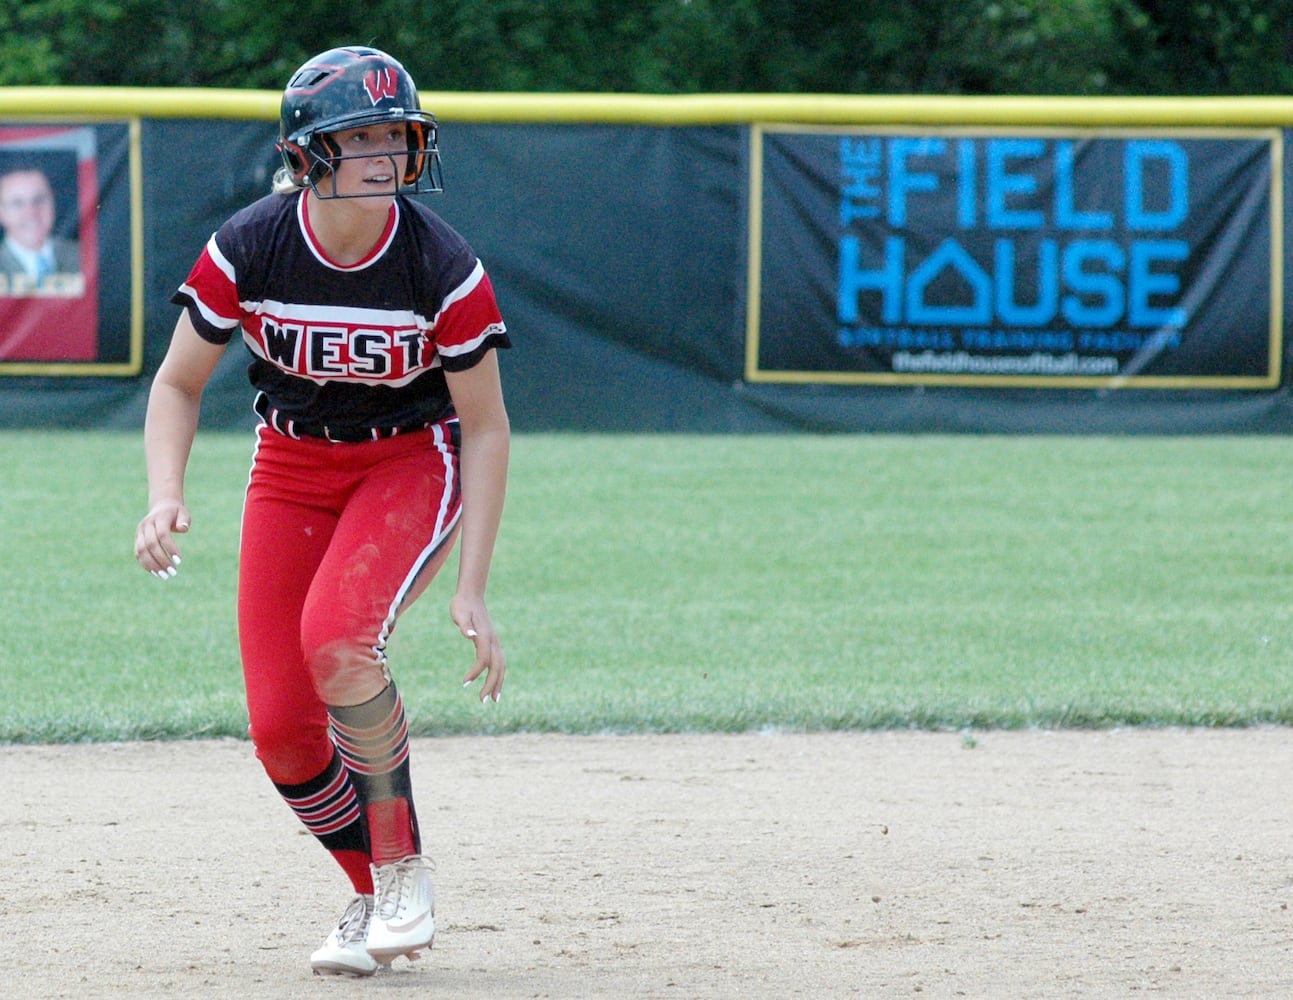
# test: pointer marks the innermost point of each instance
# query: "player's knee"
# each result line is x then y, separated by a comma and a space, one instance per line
290, 749
345, 672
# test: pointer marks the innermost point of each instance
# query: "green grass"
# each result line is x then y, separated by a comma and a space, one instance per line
670, 583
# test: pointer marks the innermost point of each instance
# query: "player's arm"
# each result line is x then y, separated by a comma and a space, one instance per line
169, 428
486, 445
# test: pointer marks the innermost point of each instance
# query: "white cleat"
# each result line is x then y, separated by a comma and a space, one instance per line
344, 953
403, 921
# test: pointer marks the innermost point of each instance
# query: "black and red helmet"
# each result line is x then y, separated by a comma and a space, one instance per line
346, 88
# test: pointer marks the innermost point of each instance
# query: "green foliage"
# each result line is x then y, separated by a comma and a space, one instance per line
26, 57
668, 583
1204, 47
671, 46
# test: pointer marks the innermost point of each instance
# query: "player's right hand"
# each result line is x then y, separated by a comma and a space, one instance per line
155, 548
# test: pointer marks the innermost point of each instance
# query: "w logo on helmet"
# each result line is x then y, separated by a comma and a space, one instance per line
381, 84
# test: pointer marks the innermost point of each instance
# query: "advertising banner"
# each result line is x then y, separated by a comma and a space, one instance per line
68, 250
1064, 258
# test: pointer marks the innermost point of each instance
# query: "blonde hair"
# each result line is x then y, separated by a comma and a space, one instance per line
284, 182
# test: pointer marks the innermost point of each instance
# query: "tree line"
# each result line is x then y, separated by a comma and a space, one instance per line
1076, 47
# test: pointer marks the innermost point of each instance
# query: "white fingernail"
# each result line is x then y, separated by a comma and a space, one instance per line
471, 633
466, 684
170, 571
176, 560
497, 696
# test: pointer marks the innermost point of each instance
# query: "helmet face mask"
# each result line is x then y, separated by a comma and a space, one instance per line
349, 88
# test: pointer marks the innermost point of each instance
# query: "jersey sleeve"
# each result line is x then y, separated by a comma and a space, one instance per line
210, 294
468, 324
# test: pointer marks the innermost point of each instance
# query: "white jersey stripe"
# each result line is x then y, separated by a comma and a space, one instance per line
454, 350
304, 313
220, 260
212, 317
461, 292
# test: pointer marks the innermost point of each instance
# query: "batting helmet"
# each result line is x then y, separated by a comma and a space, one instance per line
347, 88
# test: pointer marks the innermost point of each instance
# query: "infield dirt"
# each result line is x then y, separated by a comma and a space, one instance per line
998, 865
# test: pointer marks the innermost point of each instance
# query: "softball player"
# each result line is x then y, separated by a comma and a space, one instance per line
373, 331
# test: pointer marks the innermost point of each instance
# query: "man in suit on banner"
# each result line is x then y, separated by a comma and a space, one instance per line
32, 259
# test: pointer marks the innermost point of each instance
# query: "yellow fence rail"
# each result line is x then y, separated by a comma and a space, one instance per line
680, 109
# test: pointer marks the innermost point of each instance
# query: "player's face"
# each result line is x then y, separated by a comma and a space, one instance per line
373, 158
27, 208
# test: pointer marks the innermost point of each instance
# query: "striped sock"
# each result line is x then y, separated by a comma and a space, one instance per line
329, 808
373, 741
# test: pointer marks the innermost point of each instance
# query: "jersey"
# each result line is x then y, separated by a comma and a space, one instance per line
345, 347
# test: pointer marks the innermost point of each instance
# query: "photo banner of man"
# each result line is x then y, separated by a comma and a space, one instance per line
49, 253
1145, 258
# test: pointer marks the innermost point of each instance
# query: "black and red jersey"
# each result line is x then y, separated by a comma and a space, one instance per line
357, 345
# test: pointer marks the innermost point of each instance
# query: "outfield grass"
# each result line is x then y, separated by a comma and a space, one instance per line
666, 583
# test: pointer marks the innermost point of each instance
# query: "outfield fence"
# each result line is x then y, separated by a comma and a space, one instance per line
733, 262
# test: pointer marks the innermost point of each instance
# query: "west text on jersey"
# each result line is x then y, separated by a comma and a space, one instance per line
338, 351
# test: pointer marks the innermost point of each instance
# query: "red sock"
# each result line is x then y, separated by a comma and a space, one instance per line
330, 809
358, 868
373, 740
390, 830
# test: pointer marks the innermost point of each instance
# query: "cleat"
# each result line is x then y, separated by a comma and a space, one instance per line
403, 920
344, 952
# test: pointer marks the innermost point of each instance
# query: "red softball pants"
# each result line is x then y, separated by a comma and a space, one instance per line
337, 540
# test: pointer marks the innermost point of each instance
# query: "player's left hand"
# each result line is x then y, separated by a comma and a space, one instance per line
473, 621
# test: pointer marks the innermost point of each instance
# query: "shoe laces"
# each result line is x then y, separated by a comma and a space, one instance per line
394, 883
353, 925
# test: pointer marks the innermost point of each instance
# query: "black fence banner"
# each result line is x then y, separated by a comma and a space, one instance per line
1146, 258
